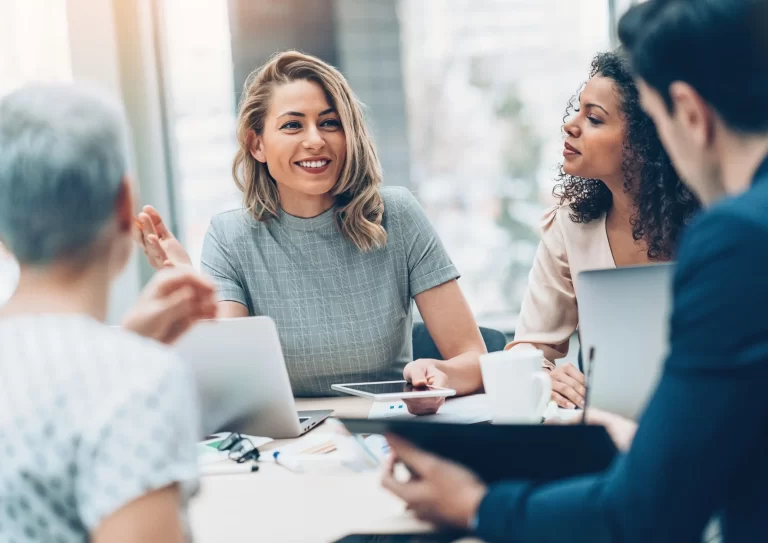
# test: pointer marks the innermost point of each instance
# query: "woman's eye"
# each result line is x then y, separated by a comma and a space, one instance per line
331, 123
291, 125
595, 120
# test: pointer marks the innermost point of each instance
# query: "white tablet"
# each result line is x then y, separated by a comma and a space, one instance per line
392, 390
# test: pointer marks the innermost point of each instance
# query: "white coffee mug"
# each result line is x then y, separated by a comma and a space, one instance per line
517, 386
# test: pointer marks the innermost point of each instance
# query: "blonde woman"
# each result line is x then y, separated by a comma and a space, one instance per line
322, 248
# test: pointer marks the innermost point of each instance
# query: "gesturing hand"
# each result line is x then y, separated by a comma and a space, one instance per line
171, 303
159, 244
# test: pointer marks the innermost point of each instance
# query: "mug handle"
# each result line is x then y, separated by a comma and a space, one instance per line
546, 391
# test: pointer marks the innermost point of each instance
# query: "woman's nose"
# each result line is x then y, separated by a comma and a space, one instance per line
572, 128
314, 139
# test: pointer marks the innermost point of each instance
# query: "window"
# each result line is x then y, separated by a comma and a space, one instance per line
487, 82
34, 46
482, 87
202, 98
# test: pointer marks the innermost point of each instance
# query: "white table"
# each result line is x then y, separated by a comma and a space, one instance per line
275, 505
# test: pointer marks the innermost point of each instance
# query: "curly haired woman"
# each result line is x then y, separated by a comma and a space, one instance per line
621, 204
321, 248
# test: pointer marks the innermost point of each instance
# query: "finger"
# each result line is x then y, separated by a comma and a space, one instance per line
567, 421
177, 329
389, 464
561, 401
565, 390
417, 461
177, 277
174, 308
401, 490
155, 251
138, 236
157, 222
436, 378
424, 406
570, 382
417, 375
411, 491
146, 224
207, 310
574, 373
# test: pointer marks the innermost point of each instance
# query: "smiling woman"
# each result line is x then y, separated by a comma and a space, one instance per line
322, 249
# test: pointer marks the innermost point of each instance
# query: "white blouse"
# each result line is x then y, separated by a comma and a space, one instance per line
549, 314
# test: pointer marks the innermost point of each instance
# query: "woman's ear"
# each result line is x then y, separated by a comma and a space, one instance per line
256, 146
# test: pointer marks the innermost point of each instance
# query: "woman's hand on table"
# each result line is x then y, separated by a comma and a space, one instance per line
568, 386
424, 372
162, 248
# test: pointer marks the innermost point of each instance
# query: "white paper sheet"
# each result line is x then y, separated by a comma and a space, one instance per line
465, 410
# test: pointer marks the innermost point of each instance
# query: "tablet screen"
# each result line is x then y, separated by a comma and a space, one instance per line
395, 387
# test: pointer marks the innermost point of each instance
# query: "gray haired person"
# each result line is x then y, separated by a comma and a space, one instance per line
97, 425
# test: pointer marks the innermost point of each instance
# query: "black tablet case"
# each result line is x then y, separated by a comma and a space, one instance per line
537, 453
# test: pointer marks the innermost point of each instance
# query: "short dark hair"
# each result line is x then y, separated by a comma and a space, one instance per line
719, 47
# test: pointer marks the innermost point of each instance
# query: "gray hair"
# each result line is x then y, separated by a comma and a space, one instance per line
63, 154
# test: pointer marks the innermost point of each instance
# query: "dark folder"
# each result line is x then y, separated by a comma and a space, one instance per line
537, 453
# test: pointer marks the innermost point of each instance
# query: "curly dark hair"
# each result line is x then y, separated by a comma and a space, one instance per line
663, 205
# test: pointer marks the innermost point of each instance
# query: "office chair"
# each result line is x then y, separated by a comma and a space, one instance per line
424, 347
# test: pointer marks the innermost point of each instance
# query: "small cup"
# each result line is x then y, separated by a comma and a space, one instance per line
518, 388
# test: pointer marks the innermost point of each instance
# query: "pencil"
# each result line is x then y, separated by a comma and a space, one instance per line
588, 382
137, 222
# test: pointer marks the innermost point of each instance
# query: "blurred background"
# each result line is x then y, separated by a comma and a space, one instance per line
465, 99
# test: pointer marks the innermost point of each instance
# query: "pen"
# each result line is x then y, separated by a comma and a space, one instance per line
137, 222
588, 382
298, 462
228, 468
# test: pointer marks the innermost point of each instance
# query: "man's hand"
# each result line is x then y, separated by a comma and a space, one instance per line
568, 386
439, 491
171, 303
422, 373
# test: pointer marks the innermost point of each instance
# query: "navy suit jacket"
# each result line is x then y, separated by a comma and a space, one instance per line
701, 448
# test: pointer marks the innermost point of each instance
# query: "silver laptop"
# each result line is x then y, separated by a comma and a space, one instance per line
242, 379
624, 321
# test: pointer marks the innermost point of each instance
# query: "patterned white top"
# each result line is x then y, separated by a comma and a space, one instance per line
91, 418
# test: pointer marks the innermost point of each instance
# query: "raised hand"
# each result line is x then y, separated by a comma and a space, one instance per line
171, 303
162, 248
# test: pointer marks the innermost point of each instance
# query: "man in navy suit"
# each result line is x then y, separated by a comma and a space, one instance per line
701, 448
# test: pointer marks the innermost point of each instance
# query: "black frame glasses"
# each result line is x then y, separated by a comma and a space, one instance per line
240, 448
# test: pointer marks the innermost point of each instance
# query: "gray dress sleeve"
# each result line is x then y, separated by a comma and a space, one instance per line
428, 262
217, 262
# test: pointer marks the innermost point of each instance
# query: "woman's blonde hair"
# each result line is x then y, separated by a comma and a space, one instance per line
359, 207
